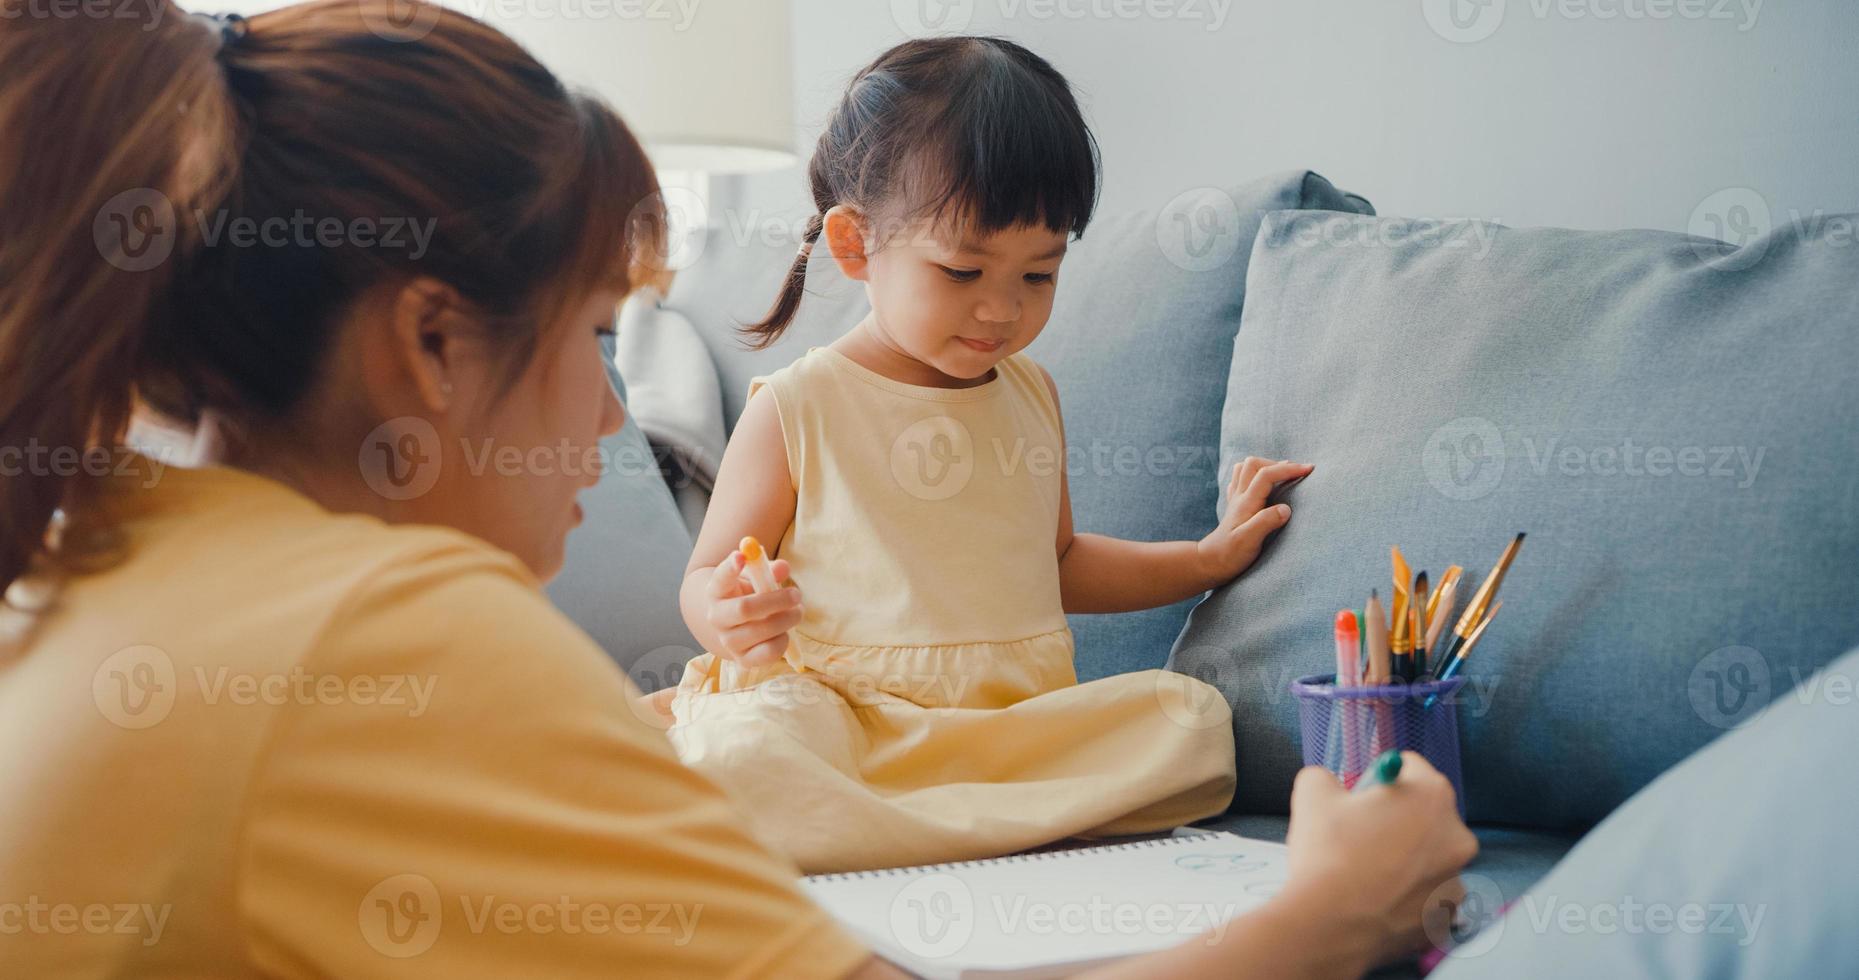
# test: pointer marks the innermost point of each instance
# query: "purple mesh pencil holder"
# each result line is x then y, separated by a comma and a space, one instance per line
1344, 730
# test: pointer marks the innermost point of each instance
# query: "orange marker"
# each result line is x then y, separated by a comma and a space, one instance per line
755, 566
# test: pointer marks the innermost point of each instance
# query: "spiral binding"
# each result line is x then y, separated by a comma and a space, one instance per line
1007, 859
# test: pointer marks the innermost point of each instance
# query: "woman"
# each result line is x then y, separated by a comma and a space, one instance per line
306, 712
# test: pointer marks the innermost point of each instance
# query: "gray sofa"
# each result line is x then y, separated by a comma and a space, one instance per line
1281, 318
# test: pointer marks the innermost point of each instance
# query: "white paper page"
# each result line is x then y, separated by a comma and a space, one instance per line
1039, 914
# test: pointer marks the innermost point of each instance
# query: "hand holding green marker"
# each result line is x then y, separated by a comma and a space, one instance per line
1382, 772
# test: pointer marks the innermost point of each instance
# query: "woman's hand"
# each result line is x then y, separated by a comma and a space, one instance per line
1385, 862
1233, 546
751, 629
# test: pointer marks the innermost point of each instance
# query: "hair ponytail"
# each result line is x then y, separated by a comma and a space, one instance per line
116, 129
768, 329
130, 140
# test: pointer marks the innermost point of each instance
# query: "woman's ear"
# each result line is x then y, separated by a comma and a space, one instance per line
422, 351
844, 231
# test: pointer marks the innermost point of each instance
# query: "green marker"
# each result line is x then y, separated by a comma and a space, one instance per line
1382, 772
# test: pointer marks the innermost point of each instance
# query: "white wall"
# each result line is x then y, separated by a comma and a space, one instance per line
1562, 115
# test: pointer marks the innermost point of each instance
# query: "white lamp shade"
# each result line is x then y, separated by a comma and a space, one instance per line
707, 85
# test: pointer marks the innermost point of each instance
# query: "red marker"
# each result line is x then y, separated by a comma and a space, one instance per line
1348, 675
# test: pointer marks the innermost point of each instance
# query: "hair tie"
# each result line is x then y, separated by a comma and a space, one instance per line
230, 29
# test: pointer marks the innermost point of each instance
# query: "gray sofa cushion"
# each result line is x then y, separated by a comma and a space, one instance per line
1139, 342
624, 564
1675, 426
1704, 874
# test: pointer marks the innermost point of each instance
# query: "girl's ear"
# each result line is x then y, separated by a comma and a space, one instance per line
844, 230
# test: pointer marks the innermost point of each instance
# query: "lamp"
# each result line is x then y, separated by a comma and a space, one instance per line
705, 84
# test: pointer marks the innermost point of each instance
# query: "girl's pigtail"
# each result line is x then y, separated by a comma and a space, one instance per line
769, 329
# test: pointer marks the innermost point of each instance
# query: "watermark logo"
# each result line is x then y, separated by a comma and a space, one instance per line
924, 17
933, 458
1464, 459
135, 231
1471, 21
401, 458
687, 224
400, 917
933, 916
1463, 21
657, 670
135, 687
1476, 235
399, 20
1466, 916
1191, 702
1468, 457
37, 916
1737, 215
1730, 686
1199, 230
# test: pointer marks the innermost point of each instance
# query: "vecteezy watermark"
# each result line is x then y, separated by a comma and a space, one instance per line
149, 12
403, 458
687, 225
1484, 915
1199, 230
137, 229
1467, 458
136, 687
1191, 702
936, 916
1741, 217
413, 20
118, 462
1733, 685
1254, 684
302, 230
923, 17
855, 687
38, 917
1470, 21
933, 458
402, 916
1370, 231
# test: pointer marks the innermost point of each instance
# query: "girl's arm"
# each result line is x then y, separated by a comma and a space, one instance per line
754, 495
1101, 574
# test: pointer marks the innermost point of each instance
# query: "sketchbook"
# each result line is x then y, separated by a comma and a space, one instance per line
1053, 913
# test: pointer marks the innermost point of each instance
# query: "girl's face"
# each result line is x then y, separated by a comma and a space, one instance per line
961, 303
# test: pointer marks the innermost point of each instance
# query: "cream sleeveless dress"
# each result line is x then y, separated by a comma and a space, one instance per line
927, 709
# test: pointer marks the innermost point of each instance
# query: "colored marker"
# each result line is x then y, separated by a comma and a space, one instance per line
1382, 772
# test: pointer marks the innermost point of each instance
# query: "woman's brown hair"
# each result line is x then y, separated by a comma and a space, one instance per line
136, 145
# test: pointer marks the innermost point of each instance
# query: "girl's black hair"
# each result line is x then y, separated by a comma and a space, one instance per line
976, 129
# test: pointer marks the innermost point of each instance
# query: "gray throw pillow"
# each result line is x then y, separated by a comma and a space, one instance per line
1673, 420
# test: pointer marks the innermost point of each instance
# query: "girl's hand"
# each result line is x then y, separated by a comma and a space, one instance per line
1235, 544
1384, 861
750, 628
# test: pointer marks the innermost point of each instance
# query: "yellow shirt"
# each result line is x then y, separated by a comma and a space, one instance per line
927, 708
277, 741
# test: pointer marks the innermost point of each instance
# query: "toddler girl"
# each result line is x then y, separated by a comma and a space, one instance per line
921, 705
